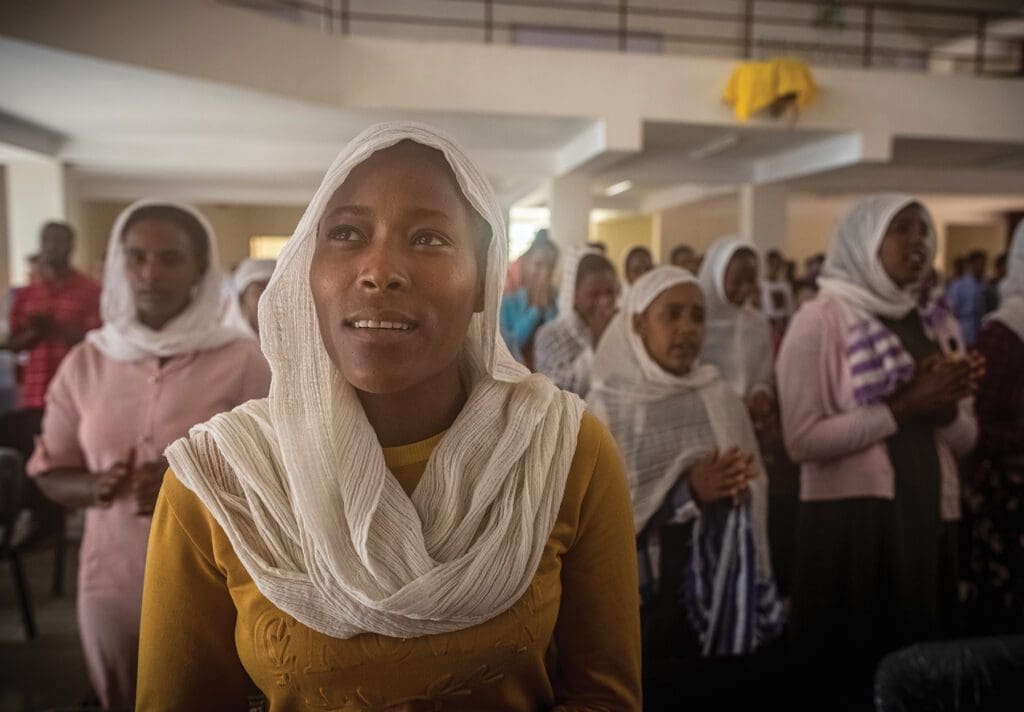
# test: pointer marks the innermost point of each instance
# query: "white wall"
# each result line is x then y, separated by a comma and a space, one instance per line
34, 195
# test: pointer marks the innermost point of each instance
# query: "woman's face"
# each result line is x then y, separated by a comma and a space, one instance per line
395, 276
596, 291
672, 328
904, 249
638, 264
740, 280
162, 268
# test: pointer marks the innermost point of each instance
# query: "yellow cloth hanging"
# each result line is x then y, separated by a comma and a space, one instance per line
754, 86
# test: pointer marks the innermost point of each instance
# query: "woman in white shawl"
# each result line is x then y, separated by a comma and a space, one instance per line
410, 520
564, 348
994, 486
161, 363
691, 457
247, 286
738, 336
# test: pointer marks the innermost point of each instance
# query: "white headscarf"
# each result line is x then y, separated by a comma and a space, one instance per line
299, 484
737, 338
853, 272
248, 272
198, 328
664, 423
1011, 289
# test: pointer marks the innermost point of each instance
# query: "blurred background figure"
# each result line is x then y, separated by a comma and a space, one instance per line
249, 281
532, 304
966, 296
776, 296
686, 257
586, 304
637, 262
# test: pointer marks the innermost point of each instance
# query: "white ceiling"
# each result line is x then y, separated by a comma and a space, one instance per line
124, 126
127, 132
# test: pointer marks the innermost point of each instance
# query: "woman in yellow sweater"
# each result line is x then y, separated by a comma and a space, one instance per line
410, 521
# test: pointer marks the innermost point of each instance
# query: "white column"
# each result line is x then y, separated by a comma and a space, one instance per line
763, 215
570, 202
34, 195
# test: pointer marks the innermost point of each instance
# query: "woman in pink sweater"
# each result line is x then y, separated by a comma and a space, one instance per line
875, 397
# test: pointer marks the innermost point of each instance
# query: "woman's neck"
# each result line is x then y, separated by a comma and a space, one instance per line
416, 413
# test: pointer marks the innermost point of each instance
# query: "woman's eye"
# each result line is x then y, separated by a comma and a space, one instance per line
430, 239
342, 233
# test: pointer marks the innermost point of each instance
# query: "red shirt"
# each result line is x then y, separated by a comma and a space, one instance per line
74, 303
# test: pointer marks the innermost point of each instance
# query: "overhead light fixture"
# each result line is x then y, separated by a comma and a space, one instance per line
715, 146
618, 188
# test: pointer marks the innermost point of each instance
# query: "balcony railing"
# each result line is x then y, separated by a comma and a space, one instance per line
865, 33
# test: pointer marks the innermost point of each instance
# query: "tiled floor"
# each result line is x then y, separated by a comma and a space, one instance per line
48, 672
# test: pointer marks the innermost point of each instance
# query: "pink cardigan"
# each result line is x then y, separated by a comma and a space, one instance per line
839, 444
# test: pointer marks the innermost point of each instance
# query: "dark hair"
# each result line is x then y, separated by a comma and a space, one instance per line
62, 226
774, 254
542, 241
636, 250
744, 253
590, 264
976, 255
482, 235
680, 249
1001, 261
181, 219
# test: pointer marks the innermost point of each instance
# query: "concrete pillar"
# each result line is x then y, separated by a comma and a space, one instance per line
763, 215
34, 194
570, 202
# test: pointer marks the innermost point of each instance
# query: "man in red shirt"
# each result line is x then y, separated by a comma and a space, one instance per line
48, 317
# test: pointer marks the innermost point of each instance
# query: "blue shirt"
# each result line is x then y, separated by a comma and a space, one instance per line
520, 321
966, 299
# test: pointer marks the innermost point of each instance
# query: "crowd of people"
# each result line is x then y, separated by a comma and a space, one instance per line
391, 449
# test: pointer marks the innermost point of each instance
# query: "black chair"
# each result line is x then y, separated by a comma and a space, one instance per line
12, 485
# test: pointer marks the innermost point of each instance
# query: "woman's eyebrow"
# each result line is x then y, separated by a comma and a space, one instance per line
428, 213
364, 211
360, 211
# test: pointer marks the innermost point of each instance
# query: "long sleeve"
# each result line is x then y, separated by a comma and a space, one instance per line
808, 369
1001, 395
598, 630
58, 445
187, 658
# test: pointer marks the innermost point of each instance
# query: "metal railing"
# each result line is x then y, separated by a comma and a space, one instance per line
752, 29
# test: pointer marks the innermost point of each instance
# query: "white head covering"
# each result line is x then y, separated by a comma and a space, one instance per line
124, 338
252, 271
853, 271
1011, 289
622, 361
248, 272
664, 423
299, 484
737, 338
